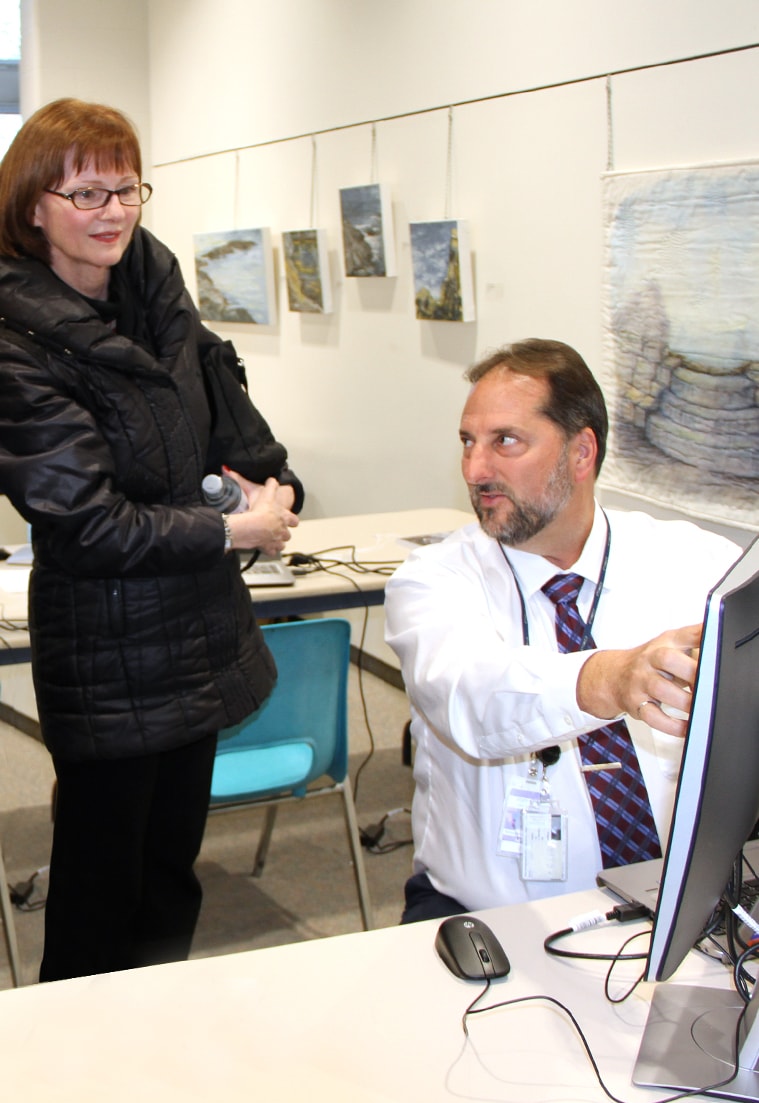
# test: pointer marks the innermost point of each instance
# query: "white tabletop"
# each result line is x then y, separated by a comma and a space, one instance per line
371, 538
364, 1018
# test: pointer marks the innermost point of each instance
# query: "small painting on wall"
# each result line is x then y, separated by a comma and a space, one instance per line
368, 241
235, 276
443, 288
307, 271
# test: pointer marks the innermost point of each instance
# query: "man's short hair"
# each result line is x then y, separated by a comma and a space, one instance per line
575, 400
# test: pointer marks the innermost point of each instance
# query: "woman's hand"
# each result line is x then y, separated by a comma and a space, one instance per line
267, 522
285, 493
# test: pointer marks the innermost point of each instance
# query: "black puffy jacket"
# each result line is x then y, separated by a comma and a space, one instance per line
143, 635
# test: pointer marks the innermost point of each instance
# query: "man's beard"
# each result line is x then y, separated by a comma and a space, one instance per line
526, 519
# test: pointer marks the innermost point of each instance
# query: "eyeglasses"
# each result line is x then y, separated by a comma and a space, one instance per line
90, 199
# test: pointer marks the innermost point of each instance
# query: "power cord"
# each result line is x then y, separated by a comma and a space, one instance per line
370, 836
622, 913
21, 893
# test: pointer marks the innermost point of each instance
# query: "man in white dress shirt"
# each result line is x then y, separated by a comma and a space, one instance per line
496, 708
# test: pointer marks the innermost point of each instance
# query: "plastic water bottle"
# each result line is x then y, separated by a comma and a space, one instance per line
224, 494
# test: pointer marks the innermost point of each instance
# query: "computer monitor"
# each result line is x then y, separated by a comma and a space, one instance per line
689, 1038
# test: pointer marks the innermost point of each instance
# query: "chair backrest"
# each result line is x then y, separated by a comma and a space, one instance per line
309, 702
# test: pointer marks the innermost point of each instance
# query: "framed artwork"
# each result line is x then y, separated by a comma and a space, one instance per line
368, 240
235, 276
307, 271
681, 330
443, 287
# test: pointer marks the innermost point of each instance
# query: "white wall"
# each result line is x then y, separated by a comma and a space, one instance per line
368, 398
94, 51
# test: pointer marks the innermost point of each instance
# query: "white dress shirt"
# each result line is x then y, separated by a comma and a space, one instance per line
482, 701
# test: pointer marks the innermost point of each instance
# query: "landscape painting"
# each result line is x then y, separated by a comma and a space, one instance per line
682, 338
307, 271
443, 288
235, 276
368, 241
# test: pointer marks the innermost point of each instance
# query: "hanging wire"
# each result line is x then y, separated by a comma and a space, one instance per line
236, 201
609, 127
513, 93
373, 165
449, 166
312, 219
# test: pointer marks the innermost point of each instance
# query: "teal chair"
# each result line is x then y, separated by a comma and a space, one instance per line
295, 747
9, 928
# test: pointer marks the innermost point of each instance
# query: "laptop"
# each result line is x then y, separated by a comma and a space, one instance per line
268, 571
638, 883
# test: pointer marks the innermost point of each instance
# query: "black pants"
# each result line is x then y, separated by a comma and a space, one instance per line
122, 890
423, 901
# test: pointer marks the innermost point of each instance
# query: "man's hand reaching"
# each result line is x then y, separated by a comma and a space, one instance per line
644, 681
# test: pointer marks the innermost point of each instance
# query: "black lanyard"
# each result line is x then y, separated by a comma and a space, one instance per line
584, 642
550, 755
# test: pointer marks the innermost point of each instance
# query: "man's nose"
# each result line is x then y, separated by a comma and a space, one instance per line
476, 465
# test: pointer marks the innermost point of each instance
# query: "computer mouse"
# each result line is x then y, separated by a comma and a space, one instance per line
470, 949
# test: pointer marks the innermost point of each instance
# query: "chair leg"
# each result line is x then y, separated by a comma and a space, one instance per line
263, 844
9, 927
359, 871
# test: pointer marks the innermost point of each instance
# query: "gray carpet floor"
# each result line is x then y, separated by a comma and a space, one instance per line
307, 888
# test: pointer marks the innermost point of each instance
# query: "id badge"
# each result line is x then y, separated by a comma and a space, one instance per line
544, 842
522, 793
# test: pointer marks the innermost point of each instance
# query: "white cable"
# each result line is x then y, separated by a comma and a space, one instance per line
744, 917
586, 921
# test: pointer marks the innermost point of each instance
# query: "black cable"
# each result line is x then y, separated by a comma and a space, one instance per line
623, 913
472, 1010
371, 835
629, 991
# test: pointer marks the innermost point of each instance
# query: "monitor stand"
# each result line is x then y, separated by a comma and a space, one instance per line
689, 1042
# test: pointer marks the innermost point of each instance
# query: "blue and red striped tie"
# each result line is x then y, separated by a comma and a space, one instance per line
624, 821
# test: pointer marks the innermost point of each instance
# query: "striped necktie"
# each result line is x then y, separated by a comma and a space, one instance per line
624, 821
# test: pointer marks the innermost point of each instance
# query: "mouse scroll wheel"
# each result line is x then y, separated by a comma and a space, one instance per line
481, 948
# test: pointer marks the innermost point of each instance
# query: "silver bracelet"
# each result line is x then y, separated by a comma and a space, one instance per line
227, 534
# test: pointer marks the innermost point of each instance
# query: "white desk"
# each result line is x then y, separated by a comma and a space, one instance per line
377, 538
362, 1018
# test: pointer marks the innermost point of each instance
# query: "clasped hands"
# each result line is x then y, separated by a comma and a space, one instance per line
268, 519
645, 682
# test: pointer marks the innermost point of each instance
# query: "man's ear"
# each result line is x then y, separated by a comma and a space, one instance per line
585, 454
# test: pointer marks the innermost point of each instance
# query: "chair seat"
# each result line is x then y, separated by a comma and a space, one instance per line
260, 770
297, 736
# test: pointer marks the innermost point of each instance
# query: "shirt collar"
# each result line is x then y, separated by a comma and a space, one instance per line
533, 571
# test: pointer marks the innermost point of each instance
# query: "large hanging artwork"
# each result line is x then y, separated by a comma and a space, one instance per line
235, 276
681, 322
443, 288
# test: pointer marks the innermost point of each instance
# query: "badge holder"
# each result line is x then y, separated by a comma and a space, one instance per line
533, 827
